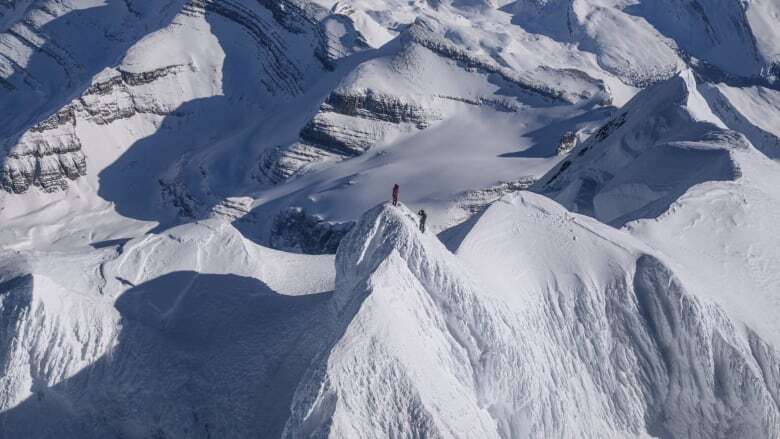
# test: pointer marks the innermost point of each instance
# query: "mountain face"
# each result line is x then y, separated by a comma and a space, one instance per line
196, 241
660, 144
442, 339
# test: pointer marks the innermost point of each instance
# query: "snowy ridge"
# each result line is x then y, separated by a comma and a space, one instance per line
49, 335
618, 329
641, 161
516, 334
412, 306
612, 335
148, 312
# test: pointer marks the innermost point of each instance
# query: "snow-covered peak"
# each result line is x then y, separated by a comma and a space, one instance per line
664, 141
541, 313
383, 231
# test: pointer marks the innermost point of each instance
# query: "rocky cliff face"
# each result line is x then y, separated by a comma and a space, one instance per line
283, 74
51, 152
348, 124
363, 110
48, 56
295, 230
48, 155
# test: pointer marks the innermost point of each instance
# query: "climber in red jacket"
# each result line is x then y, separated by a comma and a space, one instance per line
396, 189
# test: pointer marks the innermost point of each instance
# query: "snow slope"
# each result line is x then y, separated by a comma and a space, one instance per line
661, 143
723, 234
668, 170
159, 335
541, 313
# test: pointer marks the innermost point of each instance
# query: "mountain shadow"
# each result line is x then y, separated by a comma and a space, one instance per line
198, 356
77, 46
197, 157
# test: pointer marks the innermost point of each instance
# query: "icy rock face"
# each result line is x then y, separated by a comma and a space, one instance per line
53, 49
42, 57
434, 343
118, 94
343, 38
567, 143
148, 82
51, 152
638, 163
477, 199
295, 230
48, 155
285, 73
370, 105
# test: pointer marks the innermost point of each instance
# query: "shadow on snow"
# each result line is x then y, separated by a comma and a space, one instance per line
198, 355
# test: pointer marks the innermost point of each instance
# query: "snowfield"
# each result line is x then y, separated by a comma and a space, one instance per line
196, 239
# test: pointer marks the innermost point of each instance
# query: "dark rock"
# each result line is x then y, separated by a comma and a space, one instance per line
295, 230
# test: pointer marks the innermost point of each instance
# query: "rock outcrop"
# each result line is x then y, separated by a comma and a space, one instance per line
295, 230
51, 152
48, 155
348, 124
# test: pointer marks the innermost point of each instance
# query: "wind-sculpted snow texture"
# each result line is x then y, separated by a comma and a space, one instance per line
168, 336
516, 347
196, 239
412, 338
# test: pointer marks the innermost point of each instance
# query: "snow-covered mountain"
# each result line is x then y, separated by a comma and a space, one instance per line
195, 240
